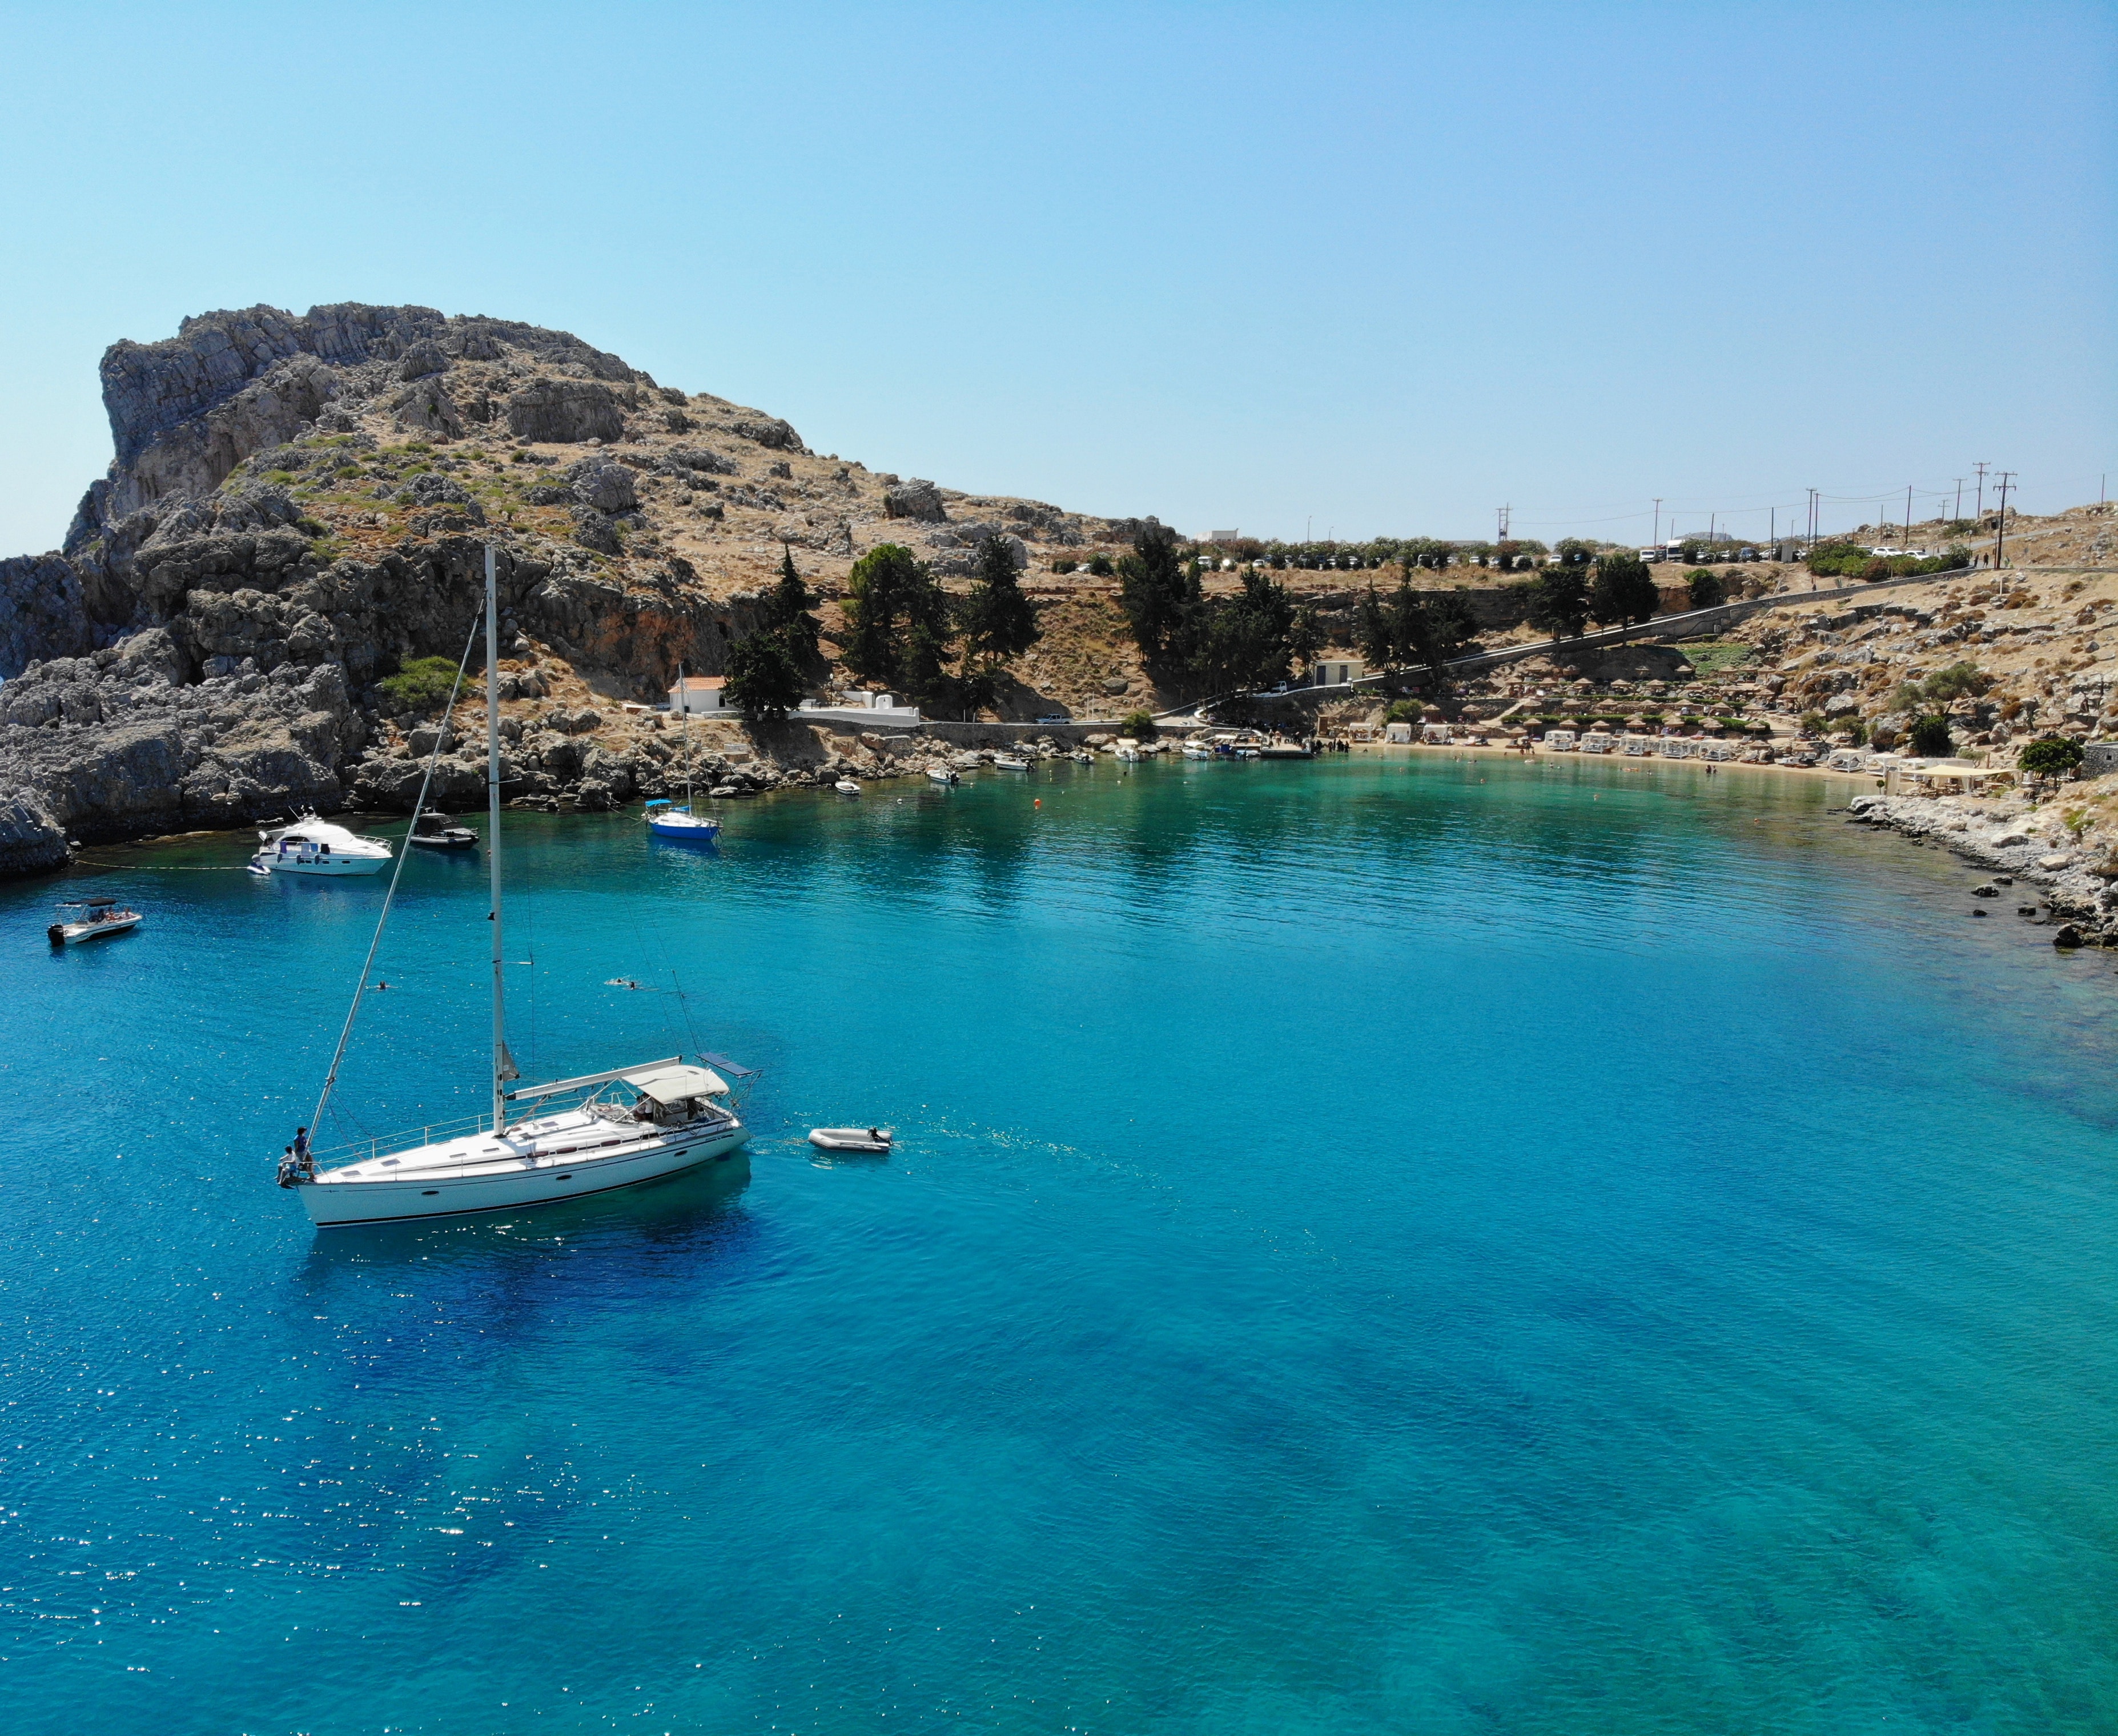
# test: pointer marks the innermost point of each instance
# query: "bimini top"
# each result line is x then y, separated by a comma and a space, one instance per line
668, 1085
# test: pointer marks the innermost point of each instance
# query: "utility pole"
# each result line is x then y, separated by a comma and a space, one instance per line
1958, 514
1980, 468
1501, 523
1657, 521
2000, 541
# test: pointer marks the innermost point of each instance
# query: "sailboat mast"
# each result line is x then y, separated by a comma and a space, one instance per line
684, 725
501, 1067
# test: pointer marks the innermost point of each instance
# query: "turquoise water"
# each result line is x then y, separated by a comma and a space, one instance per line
1451, 1246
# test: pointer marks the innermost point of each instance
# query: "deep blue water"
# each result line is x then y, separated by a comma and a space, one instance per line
1449, 1246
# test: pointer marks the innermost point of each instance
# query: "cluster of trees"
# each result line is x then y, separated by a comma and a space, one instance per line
1410, 631
1852, 560
770, 669
903, 633
1613, 589
1203, 645
1378, 552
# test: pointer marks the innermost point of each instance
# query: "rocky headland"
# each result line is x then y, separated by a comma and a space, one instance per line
298, 505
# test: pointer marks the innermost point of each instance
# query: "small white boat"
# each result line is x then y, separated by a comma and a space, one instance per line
1128, 750
847, 787
941, 775
1196, 750
97, 917
850, 1139
313, 846
1009, 762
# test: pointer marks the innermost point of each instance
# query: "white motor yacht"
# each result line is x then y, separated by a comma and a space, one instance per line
1009, 762
540, 1143
309, 845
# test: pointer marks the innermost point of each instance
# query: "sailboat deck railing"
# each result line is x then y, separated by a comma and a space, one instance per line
333, 1157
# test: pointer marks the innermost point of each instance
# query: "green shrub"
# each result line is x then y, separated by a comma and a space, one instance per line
1100, 565
1929, 737
2049, 757
1706, 587
1140, 725
420, 685
1064, 564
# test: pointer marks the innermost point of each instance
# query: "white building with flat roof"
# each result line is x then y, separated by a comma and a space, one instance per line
697, 693
864, 708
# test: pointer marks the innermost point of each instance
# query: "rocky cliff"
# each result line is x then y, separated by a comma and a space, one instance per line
297, 505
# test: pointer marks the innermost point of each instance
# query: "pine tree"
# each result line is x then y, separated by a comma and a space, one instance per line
1624, 591
1153, 588
1559, 601
898, 632
764, 679
786, 612
999, 621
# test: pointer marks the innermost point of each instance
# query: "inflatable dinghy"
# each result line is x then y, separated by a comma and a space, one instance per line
850, 1139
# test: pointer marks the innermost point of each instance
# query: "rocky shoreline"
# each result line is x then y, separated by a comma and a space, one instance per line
2022, 844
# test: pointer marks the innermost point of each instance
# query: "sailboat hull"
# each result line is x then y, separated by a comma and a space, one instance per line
336, 1199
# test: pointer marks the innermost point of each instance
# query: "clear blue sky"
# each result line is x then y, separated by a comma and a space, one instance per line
1376, 269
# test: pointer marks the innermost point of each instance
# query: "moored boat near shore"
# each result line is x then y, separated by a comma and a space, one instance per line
309, 845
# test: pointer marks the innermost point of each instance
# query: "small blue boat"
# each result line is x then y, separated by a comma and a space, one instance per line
665, 820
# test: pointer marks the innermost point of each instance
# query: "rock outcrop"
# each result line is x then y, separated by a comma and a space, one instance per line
296, 508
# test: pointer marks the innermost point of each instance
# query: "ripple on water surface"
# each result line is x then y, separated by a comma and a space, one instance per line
1405, 1244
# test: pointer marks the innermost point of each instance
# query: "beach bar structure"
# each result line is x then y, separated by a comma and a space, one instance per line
1939, 777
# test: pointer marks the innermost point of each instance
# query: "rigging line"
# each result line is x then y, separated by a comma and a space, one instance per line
403, 854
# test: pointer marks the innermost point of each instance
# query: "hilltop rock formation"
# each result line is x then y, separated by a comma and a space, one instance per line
296, 506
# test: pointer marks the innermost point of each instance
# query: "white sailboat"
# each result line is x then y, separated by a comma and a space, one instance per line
540, 1143
666, 821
